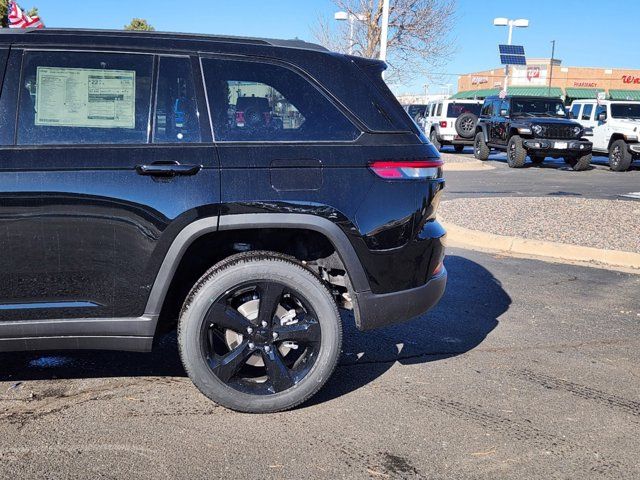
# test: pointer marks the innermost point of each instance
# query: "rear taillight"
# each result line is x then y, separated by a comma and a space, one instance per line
443, 124
407, 170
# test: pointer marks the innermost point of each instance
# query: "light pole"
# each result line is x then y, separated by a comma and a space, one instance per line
506, 22
341, 16
384, 31
426, 93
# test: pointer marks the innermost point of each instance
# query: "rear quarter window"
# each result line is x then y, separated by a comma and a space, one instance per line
253, 101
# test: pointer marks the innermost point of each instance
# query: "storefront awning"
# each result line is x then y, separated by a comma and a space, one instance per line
535, 91
580, 93
530, 91
624, 94
486, 92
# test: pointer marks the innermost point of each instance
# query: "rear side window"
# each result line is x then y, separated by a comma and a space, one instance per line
439, 110
575, 110
253, 101
176, 116
84, 98
586, 113
456, 109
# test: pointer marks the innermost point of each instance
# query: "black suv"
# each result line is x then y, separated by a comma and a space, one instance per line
141, 189
534, 126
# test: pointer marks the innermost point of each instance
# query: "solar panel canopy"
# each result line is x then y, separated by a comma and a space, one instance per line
513, 60
511, 49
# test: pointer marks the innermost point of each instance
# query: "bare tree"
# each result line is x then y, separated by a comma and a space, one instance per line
419, 33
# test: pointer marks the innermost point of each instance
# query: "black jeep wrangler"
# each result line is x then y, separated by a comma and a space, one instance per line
240, 189
534, 126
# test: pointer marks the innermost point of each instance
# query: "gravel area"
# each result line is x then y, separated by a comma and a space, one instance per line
458, 158
607, 224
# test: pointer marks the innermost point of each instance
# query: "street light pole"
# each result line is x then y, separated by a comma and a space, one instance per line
553, 53
351, 17
384, 32
506, 22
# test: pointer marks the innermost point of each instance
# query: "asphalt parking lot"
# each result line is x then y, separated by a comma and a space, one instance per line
553, 177
526, 369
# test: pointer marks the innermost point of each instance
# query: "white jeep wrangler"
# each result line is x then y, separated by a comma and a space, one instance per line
616, 129
452, 122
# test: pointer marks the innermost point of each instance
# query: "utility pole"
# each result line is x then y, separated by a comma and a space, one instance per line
553, 52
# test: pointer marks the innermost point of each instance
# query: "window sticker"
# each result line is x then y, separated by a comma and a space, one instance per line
83, 97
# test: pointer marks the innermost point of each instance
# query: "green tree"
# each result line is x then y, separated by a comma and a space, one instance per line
4, 11
138, 24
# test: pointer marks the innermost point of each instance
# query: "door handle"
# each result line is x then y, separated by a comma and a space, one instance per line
168, 169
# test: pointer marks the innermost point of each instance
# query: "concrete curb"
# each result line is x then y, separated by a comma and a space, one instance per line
477, 240
470, 166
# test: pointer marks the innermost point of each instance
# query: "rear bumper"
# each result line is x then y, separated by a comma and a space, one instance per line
379, 310
449, 139
549, 146
634, 148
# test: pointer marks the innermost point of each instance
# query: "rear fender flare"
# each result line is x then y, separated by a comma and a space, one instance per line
198, 228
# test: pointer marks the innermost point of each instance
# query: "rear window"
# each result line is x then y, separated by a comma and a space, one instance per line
456, 109
82, 97
253, 101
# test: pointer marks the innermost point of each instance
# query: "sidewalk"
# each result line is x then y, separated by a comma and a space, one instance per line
458, 162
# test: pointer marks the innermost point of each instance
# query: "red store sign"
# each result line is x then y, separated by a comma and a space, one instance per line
630, 79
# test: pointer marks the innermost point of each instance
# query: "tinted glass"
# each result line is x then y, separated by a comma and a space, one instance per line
82, 97
599, 110
586, 112
487, 108
439, 110
253, 101
575, 110
550, 107
456, 109
625, 110
176, 117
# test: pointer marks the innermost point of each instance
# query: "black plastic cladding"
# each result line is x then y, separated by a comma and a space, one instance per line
79, 225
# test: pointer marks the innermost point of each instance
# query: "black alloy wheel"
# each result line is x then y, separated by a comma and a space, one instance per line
259, 333
261, 338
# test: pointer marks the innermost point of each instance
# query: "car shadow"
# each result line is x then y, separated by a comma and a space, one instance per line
467, 313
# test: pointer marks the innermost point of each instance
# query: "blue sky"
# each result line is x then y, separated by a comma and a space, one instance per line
599, 33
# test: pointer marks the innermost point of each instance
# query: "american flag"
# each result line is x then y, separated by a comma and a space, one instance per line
19, 19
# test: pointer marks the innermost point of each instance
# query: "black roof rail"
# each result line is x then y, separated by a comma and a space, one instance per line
294, 43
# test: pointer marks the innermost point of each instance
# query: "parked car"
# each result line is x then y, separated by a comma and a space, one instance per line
452, 122
134, 200
616, 129
534, 126
416, 111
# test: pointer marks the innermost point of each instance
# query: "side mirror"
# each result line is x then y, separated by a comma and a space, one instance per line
602, 117
503, 112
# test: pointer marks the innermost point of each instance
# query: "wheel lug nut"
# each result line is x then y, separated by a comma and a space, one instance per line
267, 349
275, 335
252, 345
249, 330
264, 323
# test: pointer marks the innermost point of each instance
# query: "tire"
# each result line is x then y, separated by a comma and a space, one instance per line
458, 148
480, 149
536, 160
466, 125
232, 355
619, 156
580, 164
433, 138
516, 153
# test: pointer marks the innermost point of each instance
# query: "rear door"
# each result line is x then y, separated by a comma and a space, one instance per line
95, 181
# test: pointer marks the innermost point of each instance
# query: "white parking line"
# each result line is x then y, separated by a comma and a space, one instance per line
635, 195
